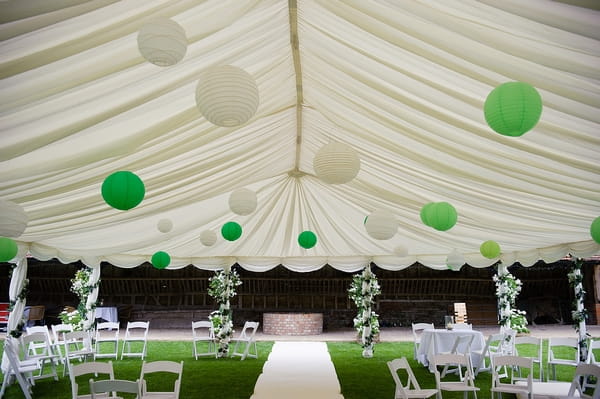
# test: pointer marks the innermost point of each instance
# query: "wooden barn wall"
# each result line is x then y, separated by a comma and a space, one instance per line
174, 297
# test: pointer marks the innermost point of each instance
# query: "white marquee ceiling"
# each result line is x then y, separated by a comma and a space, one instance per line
402, 82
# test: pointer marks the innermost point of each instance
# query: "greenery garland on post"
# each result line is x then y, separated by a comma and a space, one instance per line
21, 297
80, 286
507, 290
579, 314
363, 289
222, 288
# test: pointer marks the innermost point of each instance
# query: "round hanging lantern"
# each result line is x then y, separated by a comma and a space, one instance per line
455, 260
208, 238
490, 249
162, 42
160, 260
226, 95
123, 190
439, 215
595, 230
381, 225
164, 225
401, 251
8, 249
231, 231
513, 108
307, 239
336, 163
13, 219
242, 201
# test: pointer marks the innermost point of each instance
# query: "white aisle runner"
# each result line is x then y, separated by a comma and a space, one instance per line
298, 370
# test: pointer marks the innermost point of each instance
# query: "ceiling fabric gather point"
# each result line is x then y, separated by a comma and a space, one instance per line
403, 84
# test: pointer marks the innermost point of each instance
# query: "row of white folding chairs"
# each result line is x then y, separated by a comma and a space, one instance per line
138, 387
205, 342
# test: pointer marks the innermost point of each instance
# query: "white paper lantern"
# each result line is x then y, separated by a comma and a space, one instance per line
208, 238
336, 163
455, 260
242, 201
162, 42
13, 219
226, 95
401, 251
164, 225
381, 225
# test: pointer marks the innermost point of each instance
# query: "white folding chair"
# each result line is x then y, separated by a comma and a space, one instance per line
463, 363
410, 390
583, 372
246, 341
103, 387
107, 340
533, 345
136, 336
493, 346
78, 346
162, 367
513, 363
203, 336
462, 345
81, 369
58, 339
22, 370
417, 330
567, 346
40, 347
42, 354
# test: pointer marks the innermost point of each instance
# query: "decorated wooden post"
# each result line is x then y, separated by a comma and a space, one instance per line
362, 291
507, 290
579, 313
222, 288
85, 285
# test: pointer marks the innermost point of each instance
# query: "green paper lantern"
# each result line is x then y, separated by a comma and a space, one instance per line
161, 260
440, 215
231, 231
490, 249
307, 239
513, 108
8, 249
595, 230
123, 190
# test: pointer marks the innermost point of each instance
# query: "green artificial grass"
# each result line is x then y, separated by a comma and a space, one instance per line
230, 378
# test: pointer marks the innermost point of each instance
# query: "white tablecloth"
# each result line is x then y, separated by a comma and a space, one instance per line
438, 341
108, 313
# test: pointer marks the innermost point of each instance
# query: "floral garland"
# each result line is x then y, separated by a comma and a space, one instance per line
579, 314
362, 291
222, 288
507, 290
17, 332
80, 286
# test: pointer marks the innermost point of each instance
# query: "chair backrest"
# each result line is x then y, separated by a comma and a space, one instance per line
203, 329
108, 325
512, 362
594, 345
77, 341
529, 340
58, 331
569, 342
162, 366
37, 339
460, 360
582, 372
107, 329
137, 329
77, 370
417, 329
411, 381
249, 330
462, 344
112, 385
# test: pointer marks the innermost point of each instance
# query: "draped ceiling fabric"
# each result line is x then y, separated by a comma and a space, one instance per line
402, 82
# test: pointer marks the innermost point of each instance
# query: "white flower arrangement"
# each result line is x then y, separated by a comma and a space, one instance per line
507, 290
362, 291
222, 288
80, 286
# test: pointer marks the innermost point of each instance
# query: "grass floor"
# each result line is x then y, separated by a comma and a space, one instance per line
231, 378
